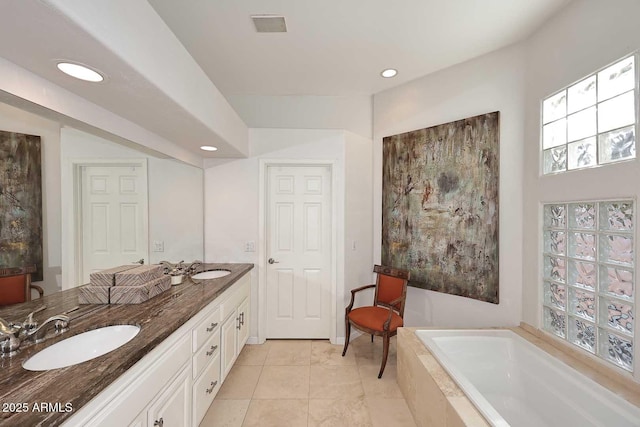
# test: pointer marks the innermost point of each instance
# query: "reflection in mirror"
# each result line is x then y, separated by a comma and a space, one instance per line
82, 175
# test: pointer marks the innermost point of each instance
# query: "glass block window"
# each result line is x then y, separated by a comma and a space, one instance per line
592, 122
588, 277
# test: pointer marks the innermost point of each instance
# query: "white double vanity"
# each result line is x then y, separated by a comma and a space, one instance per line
167, 375
176, 382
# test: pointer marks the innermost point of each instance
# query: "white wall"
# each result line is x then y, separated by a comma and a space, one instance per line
15, 120
493, 82
175, 195
586, 36
176, 210
232, 190
359, 239
351, 113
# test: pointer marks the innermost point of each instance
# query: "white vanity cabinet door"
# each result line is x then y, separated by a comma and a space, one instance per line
140, 421
228, 339
171, 409
243, 332
235, 329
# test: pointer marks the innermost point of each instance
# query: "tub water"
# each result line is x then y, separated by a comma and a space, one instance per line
514, 383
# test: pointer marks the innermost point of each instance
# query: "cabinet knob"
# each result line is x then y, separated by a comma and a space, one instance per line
213, 385
212, 327
159, 422
213, 349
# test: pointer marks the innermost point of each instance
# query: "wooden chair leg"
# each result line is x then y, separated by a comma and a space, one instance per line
27, 287
347, 329
371, 337
385, 353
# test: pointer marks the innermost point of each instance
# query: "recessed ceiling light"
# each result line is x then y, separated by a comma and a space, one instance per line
80, 72
389, 72
208, 148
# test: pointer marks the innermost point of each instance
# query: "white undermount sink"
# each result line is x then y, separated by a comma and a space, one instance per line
212, 274
82, 347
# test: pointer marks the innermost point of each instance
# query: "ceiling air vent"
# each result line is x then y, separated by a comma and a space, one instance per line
269, 23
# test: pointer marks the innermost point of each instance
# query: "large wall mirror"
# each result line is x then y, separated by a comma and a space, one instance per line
98, 193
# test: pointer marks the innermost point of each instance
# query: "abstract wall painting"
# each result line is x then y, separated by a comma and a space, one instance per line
20, 202
440, 206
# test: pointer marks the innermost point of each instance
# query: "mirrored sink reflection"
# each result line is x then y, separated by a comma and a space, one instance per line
81, 347
212, 274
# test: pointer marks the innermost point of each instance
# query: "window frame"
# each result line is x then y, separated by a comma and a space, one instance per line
597, 152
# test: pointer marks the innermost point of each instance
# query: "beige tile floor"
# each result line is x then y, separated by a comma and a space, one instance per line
308, 383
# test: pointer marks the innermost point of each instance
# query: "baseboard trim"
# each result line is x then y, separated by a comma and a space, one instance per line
338, 340
253, 340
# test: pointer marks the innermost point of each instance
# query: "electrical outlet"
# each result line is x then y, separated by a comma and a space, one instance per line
250, 246
158, 246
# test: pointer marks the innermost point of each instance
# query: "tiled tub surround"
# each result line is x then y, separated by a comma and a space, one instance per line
436, 400
77, 385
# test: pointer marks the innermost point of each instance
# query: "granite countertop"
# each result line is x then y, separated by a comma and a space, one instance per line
76, 385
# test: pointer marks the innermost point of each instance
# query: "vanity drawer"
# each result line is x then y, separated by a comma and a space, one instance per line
206, 353
206, 329
205, 389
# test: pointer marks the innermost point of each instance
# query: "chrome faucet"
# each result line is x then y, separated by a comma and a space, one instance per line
9, 338
180, 268
192, 268
170, 267
13, 334
60, 323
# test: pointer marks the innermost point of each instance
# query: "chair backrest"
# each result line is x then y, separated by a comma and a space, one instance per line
13, 289
391, 284
15, 284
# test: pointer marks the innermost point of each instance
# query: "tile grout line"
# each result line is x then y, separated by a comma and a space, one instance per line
252, 394
255, 387
309, 388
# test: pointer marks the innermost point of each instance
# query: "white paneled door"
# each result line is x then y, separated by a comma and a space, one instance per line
298, 288
114, 212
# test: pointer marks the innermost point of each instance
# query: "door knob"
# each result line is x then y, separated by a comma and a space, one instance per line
272, 261
140, 261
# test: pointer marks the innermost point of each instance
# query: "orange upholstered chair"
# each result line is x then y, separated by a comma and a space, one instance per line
384, 317
15, 286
